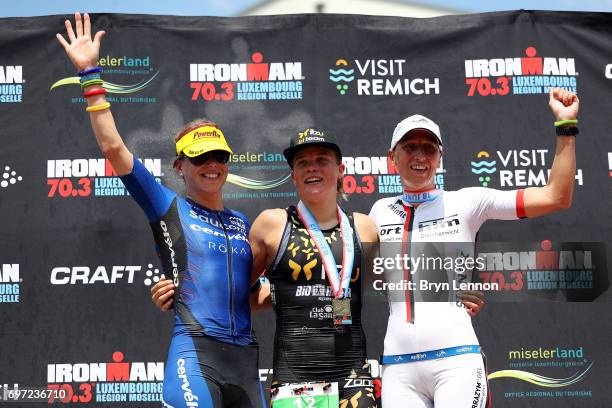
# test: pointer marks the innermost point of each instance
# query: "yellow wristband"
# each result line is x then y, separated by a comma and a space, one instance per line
100, 107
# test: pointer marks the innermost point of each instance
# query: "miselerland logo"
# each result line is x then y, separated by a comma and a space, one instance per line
104, 275
252, 81
9, 177
515, 168
258, 175
137, 70
377, 175
108, 382
10, 283
379, 77
547, 368
526, 75
79, 178
11, 83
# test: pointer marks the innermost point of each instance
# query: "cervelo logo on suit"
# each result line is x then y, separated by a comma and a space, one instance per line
526, 75
377, 174
11, 83
90, 177
515, 168
378, 77
10, 283
104, 275
108, 382
256, 80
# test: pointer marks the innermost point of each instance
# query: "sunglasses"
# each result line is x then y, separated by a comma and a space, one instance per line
220, 156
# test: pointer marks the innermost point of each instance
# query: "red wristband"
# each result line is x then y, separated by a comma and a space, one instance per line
99, 91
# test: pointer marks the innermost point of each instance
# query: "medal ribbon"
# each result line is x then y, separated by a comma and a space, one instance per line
339, 282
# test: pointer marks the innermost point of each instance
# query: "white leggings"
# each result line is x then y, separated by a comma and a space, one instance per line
452, 382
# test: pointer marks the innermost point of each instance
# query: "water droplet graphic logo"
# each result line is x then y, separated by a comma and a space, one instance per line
342, 77
483, 166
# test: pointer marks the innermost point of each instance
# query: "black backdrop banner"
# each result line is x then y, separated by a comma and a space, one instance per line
76, 255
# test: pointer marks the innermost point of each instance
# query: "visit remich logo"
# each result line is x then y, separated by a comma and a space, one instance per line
515, 168
90, 177
253, 81
379, 77
11, 83
526, 75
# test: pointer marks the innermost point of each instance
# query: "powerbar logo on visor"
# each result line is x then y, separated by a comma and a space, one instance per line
209, 133
530, 74
256, 80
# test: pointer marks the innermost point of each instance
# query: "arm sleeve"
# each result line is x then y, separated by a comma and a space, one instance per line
151, 196
488, 203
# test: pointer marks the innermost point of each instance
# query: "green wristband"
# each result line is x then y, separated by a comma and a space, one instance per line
566, 122
92, 82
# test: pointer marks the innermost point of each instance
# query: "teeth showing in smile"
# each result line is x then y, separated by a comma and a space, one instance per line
212, 175
418, 167
313, 180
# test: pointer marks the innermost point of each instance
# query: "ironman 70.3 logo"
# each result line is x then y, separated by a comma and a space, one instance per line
527, 75
254, 81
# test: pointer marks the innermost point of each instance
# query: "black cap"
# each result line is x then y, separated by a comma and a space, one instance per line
308, 138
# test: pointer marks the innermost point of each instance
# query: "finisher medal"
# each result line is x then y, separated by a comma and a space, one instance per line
341, 308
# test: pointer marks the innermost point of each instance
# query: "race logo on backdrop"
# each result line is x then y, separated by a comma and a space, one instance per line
11, 83
377, 175
253, 81
380, 77
90, 177
10, 283
526, 75
108, 382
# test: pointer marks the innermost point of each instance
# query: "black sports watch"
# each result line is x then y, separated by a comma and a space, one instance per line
567, 130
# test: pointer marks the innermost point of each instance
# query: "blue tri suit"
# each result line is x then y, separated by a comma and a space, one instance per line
213, 356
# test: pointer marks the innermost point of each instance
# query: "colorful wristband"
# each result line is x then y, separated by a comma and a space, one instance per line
89, 77
90, 71
92, 82
99, 91
566, 122
97, 108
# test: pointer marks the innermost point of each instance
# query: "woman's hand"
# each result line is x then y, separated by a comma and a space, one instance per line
82, 50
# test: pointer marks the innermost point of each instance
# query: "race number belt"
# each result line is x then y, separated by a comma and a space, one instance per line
306, 395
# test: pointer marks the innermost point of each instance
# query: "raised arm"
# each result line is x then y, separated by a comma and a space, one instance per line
84, 52
557, 193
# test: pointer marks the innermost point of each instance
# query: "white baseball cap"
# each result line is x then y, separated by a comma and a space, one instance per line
415, 122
